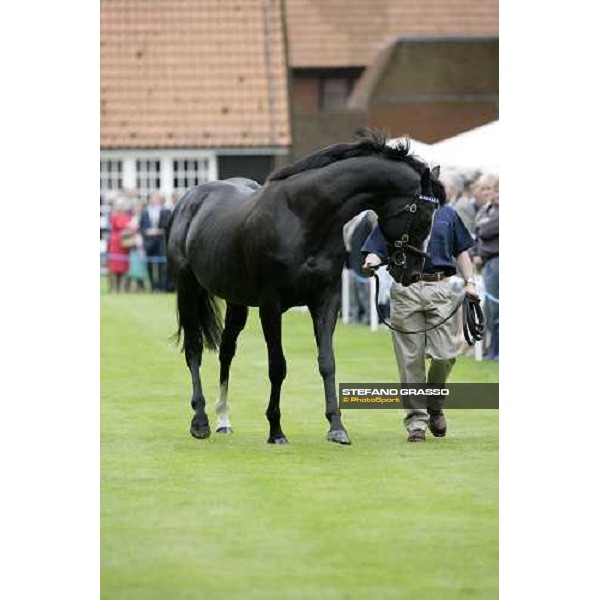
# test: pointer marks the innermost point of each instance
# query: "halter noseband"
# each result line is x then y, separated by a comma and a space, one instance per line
397, 248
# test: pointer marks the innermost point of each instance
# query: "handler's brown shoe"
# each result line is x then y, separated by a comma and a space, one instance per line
416, 435
437, 423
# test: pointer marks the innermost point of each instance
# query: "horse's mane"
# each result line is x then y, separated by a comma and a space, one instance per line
369, 143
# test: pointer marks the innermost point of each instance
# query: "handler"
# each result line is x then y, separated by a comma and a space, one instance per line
423, 304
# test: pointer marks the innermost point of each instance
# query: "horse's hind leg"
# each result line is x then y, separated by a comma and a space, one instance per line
189, 302
235, 321
324, 314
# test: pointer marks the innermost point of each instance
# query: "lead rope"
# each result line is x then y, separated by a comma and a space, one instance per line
473, 320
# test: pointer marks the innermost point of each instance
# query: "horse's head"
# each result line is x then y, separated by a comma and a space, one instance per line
406, 222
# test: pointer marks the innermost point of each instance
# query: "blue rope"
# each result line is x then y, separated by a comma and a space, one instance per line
124, 258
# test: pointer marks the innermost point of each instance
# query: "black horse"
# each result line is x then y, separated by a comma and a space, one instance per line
281, 246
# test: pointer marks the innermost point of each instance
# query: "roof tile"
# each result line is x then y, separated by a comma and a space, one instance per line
209, 73
339, 33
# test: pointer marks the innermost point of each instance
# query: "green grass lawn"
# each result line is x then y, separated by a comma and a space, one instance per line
234, 517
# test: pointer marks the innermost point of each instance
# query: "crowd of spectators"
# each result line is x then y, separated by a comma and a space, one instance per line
487, 256
476, 199
135, 250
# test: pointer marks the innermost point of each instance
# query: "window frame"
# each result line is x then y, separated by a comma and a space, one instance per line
111, 179
148, 177
190, 171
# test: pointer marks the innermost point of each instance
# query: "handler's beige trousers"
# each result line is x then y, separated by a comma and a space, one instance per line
419, 306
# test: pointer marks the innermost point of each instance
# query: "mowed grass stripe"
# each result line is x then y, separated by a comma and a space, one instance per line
233, 517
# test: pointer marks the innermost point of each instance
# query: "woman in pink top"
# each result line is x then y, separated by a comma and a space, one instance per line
118, 255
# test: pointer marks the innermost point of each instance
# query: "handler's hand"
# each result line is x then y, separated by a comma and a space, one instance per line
471, 290
371, 262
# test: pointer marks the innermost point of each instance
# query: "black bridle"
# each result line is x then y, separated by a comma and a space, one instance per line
473, 320
397, 249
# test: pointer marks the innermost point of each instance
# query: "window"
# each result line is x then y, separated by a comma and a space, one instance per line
111, 175
335, 92
147, 177
189, 172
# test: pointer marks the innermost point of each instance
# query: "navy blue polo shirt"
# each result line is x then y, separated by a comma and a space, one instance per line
449, 237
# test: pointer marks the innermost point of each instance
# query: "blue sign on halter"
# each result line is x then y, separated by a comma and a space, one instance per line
429, 199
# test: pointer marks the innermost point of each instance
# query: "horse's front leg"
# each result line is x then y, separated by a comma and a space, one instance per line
270, 318
324, 312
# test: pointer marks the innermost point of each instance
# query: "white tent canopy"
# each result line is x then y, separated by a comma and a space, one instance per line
474, 149
416, 147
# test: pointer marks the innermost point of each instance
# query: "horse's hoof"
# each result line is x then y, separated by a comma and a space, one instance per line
339, 436
278, 440
200, 432
224, 429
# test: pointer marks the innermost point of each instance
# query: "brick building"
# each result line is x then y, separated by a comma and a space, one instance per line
426, 68
192, 90
430, 87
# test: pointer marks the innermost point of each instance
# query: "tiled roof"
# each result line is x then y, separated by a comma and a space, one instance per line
338, 33
189, 73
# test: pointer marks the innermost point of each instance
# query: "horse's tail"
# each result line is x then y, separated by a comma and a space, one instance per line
198, 316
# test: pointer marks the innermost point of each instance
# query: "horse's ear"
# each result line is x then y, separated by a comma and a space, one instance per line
435, 172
